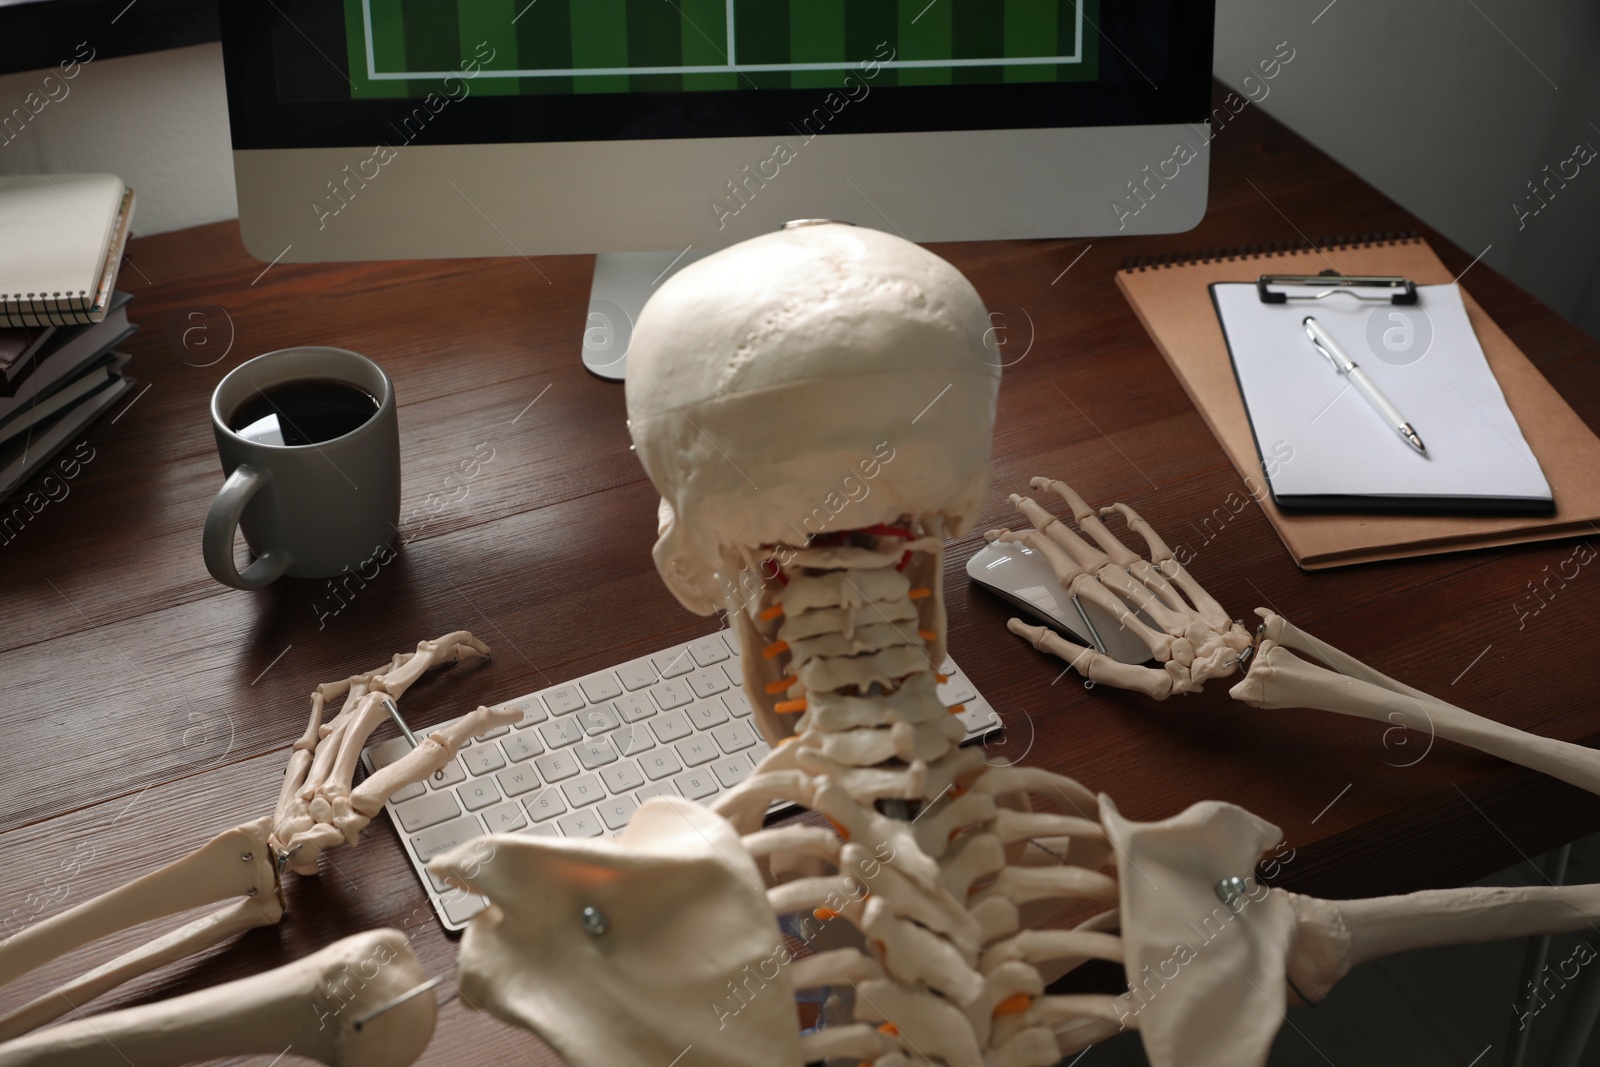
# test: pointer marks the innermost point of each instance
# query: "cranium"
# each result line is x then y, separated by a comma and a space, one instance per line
821, 379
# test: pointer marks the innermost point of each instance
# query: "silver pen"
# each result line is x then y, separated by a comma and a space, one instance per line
1343, 364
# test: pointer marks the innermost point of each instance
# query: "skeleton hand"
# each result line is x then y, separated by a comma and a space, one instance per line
1192, 643
318, 808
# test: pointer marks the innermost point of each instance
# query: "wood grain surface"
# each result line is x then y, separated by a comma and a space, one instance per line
147, 708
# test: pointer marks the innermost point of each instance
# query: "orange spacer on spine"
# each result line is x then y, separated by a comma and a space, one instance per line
788, 707
774, 649
922, 592
771, 613
1015, 1003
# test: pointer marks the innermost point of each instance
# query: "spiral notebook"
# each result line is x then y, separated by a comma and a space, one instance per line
1172, 298
64, 236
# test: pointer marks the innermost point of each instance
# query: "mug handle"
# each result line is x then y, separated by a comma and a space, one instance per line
221, 523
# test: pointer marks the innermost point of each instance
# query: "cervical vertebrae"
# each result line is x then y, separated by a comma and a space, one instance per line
859, 662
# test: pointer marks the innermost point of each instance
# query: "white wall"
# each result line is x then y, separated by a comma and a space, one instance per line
1450, 114
159, 121
1445, 114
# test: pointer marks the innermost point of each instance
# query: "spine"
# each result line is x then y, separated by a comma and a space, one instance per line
1274, 248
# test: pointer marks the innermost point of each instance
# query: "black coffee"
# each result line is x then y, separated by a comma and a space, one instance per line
307, 411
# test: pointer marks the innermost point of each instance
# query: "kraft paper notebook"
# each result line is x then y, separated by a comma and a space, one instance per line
1173, 300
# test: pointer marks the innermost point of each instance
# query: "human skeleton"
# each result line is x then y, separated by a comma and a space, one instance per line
811, 470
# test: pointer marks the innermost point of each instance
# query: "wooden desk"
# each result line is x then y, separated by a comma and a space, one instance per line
146, 708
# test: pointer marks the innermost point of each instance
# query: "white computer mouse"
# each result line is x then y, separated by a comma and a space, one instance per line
1023, 578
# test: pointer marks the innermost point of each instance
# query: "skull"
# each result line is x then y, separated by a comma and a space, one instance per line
819, 379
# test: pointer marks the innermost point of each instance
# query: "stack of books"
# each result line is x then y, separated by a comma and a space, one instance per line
61, 319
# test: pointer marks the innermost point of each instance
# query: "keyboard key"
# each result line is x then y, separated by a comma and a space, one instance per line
602, 686
599, 718
545, 804
732, 770
498, 731
585, 790
522, 746
735, 673
758, 753
956, 691
561, 732
708, 650
532, 709
707, 683
634, 706
696, 785
554, 766
407, 792
632, 740
673, 662
707, 713
387, 752
734, 737
541, 829
481, 759
563, 699
506, 817
448, 775
697, 750
446, 836
637, 674
978, 719
731, 638
670, 727
737, 703
478, 794
458, 909
427, 811
581, 824
595, 753
659, 789
622, 777
617, 811
660, 763
515, 781
673, 694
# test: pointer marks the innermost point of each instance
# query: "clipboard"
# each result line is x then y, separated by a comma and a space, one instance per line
1324, 447
1172, 300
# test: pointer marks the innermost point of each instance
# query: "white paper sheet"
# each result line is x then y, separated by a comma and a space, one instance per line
1318, 436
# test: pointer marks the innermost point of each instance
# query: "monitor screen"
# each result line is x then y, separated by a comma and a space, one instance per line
307, 73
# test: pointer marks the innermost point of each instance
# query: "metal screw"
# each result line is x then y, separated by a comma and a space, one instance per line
248, 856
594, 922
1230, 889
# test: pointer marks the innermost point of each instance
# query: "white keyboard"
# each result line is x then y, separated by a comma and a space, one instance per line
587, 753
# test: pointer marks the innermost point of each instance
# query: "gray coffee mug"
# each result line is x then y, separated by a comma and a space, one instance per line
309, 510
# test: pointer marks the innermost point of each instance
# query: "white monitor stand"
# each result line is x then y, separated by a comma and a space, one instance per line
623, 281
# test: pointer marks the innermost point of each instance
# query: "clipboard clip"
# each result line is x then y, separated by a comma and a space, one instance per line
1392, 288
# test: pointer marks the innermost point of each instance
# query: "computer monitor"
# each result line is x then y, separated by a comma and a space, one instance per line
656, 131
